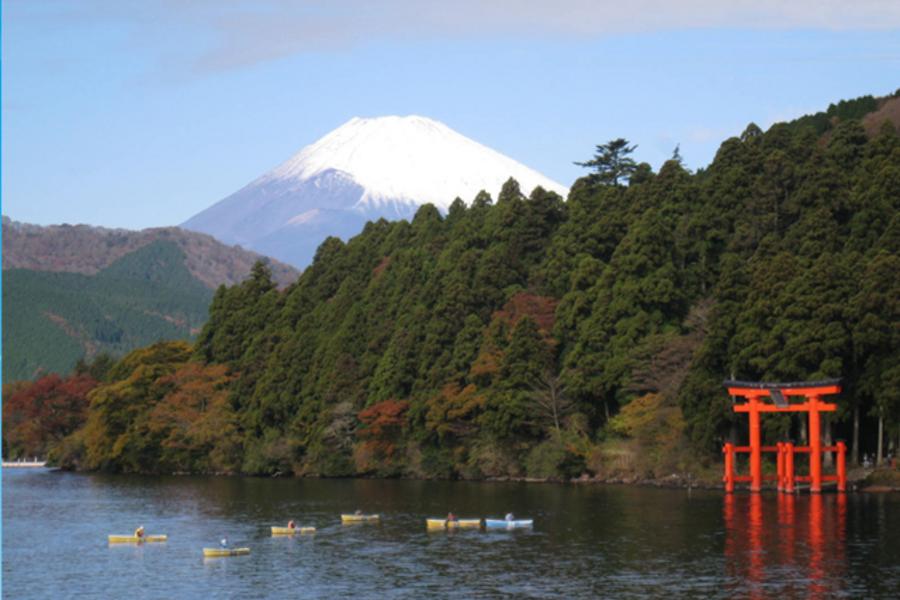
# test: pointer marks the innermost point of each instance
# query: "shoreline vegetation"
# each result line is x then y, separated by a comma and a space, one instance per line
531, 336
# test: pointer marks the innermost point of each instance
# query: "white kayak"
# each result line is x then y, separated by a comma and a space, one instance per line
504, 524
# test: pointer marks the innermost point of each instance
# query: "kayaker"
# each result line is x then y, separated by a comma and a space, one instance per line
224, 542
358, 512
451, 518
139, 532
292, 525
510, 517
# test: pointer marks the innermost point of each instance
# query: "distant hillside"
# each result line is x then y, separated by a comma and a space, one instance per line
86, 249
50, 320
76, 291
888, 110
872, 112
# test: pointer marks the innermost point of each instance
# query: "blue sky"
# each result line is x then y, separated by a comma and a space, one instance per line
140, 114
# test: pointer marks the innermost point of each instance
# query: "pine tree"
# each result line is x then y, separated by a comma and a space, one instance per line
611, 162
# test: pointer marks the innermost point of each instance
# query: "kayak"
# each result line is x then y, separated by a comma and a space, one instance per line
290, 531
133, 539
359, 518
214, 552
458, 524
504, 524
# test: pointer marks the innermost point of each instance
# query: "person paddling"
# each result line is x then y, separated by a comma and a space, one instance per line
510, 517
139, 532
291, 525
451, 518
224, 542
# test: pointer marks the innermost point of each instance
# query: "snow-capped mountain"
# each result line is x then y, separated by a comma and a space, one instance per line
363, 170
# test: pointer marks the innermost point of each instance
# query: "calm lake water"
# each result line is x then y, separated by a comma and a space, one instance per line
587, 541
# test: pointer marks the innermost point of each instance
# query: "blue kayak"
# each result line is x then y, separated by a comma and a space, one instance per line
504, 524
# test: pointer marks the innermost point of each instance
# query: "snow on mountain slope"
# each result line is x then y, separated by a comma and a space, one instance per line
411, 159
365, 169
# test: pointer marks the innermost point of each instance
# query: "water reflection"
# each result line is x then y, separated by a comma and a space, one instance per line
804, 555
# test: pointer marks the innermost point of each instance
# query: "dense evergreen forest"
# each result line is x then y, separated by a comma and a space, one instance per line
530, 335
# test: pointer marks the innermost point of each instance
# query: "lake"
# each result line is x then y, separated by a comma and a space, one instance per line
588, 541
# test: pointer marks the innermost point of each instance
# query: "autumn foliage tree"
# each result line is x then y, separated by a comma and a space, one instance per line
194, 426
380, 434
161, 413
38, 414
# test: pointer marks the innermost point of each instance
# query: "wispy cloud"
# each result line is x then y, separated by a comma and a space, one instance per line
229, 34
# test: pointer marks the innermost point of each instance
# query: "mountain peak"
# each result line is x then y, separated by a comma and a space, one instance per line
408, 160
365, 169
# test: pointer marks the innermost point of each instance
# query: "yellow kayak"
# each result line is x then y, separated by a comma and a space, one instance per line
458, 524
133, 539
289, 531
359, 518
213, 552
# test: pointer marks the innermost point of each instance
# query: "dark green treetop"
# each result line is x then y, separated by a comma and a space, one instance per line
611, 162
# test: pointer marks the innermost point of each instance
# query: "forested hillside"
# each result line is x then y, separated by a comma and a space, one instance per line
51, 320
531, 336
73, 292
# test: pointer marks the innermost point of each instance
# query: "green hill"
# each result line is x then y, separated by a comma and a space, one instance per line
51, 320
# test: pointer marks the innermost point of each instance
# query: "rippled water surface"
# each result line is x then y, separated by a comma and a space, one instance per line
587, 541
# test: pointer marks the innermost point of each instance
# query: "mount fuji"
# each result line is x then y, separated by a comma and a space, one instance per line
364, 170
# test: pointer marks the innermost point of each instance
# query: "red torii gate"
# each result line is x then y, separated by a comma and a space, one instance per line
780, 393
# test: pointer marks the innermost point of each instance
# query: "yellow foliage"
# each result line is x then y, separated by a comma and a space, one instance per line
454, 410
650, 415
654, 443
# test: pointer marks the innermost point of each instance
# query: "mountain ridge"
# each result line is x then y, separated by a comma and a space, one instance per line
88, 249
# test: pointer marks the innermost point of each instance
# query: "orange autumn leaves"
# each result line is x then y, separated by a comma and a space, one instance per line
38, 414
155, 411
194, 423
380, 432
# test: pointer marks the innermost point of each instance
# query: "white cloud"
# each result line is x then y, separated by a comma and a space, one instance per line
239, 33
